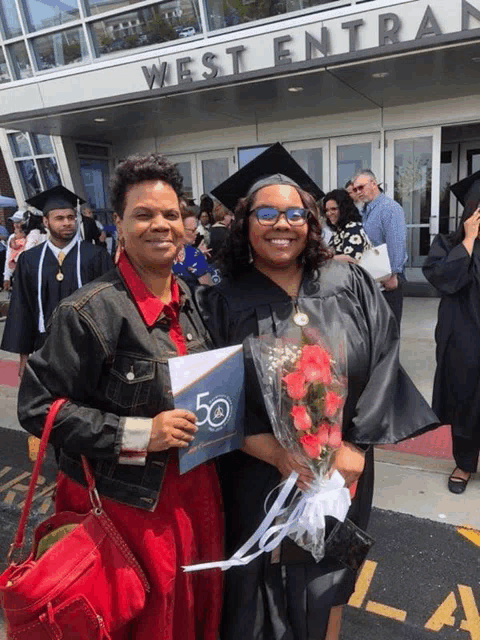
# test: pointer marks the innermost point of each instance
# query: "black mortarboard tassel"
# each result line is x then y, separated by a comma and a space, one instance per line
56, 198
468, 189
274, 160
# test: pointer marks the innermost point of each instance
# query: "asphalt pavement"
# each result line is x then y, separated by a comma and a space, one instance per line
421, 579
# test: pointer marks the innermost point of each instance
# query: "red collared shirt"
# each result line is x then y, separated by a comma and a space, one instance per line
137, 431
151, 307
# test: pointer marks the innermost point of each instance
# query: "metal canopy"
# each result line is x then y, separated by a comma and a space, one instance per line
443, 73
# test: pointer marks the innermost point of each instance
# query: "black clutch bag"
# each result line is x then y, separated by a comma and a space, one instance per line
348, 544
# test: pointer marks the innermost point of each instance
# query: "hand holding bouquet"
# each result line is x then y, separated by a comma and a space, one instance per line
304, 387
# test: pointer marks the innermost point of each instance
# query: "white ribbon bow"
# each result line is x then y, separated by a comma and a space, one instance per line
324, 498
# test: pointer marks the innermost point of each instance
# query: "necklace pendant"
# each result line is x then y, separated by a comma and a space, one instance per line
59, 276
301, 319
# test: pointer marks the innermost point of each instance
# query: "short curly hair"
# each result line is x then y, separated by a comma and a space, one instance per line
141, 168
235, 257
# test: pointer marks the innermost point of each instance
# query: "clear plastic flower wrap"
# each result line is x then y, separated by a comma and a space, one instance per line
303, 380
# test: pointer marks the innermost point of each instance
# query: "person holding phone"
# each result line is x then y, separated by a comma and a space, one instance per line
453, 267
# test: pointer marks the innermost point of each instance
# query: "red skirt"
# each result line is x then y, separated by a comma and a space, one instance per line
185, 528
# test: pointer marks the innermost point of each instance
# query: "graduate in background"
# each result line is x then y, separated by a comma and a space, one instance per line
50, 272
453, 267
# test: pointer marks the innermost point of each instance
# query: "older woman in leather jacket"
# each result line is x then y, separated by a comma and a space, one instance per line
107, 352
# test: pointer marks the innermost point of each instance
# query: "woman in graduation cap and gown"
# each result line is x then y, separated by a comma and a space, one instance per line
50, 272
453, 267
281, 276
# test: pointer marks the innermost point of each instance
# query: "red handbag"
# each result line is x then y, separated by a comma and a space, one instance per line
80, 581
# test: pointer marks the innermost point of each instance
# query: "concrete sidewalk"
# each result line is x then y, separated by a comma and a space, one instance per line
417, 484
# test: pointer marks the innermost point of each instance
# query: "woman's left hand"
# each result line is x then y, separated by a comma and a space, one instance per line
341, 257
350, 462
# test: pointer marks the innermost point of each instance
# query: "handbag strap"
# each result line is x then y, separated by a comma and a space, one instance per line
47, 429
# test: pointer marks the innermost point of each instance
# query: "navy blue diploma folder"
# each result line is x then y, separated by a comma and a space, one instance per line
211, 384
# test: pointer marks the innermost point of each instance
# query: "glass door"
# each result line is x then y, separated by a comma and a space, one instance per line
413, 162
313, 157
185, 164
202, 172
448, 175
95, 175
469, 158
213, 168
351, 154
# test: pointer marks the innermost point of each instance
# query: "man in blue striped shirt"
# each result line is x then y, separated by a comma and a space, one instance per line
384, 222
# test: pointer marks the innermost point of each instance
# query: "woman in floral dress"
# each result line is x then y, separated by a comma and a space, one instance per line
349, 239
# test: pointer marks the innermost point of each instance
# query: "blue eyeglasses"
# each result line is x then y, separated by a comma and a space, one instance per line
268, 216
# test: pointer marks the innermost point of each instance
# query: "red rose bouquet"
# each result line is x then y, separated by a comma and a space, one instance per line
314, 394
304, 387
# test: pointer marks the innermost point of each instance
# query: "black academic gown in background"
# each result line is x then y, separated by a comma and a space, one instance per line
291, 600
91, 231
456, 390
21, 334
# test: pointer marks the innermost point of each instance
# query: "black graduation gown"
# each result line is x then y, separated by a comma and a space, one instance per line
218, 235
456, 389
91, 231
21, 334
292, 600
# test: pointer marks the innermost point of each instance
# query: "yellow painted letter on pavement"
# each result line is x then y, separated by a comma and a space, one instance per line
472, 618
443, 616
362, 584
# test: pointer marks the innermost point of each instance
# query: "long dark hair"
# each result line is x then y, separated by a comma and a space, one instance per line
235, 257
348, 212
33, 222
206, 204
471, 206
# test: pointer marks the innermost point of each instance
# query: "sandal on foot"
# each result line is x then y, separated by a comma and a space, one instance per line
457, 485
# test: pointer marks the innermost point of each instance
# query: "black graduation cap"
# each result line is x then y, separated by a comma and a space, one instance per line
274, 161
55, 198
467, 189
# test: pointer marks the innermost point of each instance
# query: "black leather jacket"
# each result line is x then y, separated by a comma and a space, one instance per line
95, 338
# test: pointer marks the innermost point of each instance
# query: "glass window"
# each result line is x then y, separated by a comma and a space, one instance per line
148, 25
413, 190
92, 150
49, 170
20, 60
9, 19
59, 49
413, 178
36, 173
224, 13
4, 75
41, 14
42, 143
446, 170
311, 161
20, 144
214, 171
29, 177
350, 159
247, 154
95, 174
94, 7
185, 169
473, 161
